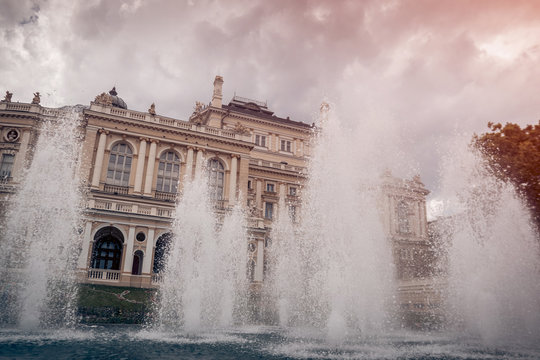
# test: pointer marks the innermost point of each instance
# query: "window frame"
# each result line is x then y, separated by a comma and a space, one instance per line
214, 181
124, 170
164, 183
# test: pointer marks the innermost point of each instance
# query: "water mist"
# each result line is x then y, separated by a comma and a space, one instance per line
493, 254
334, 270
40, 252
204, 282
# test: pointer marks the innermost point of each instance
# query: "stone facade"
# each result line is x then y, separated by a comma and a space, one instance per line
131, 162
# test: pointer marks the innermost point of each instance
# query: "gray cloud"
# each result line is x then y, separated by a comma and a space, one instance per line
411, 73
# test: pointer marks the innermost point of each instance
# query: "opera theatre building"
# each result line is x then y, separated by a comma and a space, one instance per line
132, 168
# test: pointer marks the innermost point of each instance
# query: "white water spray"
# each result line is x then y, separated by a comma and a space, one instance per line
42, 225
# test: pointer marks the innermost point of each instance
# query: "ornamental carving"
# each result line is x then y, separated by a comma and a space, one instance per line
12, 135
103, 99
240, 129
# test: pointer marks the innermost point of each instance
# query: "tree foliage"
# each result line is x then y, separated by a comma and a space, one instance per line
513, 154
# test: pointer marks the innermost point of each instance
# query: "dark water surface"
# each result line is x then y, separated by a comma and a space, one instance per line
129, 342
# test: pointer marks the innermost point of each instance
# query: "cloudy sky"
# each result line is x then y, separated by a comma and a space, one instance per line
421, 71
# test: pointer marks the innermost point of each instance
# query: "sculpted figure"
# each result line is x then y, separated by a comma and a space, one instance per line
103, 99
152, 110
7, 97
37, 98
198, 106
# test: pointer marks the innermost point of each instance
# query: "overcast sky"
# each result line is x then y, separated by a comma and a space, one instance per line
419, 71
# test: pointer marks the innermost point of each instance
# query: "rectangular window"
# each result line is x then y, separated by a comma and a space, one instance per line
7, 165
292, 213
249, 185
270, 187
292, 191
260, 140
285, 145
268, 210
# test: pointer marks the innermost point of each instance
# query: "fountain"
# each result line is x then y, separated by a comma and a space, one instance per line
492, 252
41, 249
330, 287
204, 282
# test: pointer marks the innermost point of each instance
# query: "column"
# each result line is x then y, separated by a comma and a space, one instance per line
232, 182
128, 263
149, 252
140, 166
282, 193
260, 261
258, 192
85, 246
20, 156
199, 162
99, 158
150, 169
189, 163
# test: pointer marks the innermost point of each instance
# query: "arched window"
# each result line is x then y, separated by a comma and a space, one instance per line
119, 165
137, 263
216, 174
168, 172
403, 217
107, 252
160, 253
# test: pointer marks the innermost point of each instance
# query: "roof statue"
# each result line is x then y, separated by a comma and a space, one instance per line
152, 110
103, 99
37, 98
116, 100
199, 106
7, 97
113, 91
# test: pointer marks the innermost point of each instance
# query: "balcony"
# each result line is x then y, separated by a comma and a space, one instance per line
166, 196
104, 275
117, 190
132, 208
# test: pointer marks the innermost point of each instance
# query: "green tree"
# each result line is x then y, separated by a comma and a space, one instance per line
513, 154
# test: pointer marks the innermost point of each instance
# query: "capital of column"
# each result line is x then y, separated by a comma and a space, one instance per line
103, 131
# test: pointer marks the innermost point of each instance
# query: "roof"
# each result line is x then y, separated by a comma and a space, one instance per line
259, 109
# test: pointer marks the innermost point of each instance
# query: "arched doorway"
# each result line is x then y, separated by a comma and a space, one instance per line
160, 252
136, 269
107, 251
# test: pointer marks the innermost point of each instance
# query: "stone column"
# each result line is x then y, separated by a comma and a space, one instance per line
140, 166
99, 158
150, 169
86, 243
199, 162
128, 263
258, 193
282, 193
260, 261
149, 252
232, 180
189, 163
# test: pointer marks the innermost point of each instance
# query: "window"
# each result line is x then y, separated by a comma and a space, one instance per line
161, 250
268, 210
249, 185
137, 263
270, 187
119, 165
168, 172
7, 166
403, 217
285, 145
260, 140
216, 173
292, 213
107, 252
140, 237
292, 191
406, 254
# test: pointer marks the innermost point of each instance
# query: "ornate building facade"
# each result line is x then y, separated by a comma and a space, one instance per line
132, 164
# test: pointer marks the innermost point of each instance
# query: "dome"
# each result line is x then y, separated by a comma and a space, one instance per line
116, 100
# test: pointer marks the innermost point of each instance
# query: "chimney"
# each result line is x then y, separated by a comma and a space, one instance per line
217, 97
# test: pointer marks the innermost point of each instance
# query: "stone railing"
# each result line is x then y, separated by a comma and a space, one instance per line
280, 166
131, 208
115, 189
136, 115
106, 275
165, 196
33, 108
157, 279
